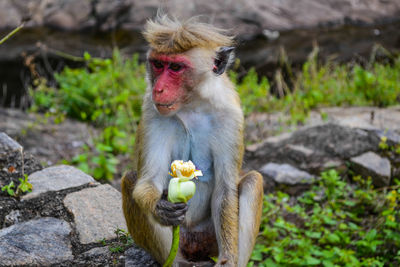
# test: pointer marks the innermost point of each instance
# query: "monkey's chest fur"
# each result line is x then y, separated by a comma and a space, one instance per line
194, 131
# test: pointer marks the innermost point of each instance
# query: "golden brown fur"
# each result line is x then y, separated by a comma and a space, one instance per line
135, 216
168, 36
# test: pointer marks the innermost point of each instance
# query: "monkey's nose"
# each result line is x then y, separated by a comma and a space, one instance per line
159, 89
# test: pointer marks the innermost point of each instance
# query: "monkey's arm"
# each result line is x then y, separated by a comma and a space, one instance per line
145, 193
227, 163
148, 196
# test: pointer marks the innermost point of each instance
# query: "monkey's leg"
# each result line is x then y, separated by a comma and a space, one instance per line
250, 209
146, 233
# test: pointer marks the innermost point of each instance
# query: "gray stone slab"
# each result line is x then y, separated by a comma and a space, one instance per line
97, 212
7, 144
40, 242
97, 252
56, 178
137, 257
371, 164
12, 218
285, 174
391, 136
299, 153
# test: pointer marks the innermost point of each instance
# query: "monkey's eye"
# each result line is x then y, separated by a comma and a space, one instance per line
157, 64
175, 66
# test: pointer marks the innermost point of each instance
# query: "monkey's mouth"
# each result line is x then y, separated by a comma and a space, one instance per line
166, 108
164, 105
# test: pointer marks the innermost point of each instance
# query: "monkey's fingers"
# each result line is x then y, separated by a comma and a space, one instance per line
170, 219
180, 206
176, 221
171, 214
166, 205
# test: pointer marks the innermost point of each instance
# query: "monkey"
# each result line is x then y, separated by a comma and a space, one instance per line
191, 111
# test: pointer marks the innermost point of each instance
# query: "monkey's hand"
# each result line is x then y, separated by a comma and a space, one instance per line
170, 214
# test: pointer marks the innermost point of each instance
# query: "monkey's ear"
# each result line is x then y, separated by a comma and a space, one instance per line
222, 59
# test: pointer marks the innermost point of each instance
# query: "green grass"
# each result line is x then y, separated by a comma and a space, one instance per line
335, 223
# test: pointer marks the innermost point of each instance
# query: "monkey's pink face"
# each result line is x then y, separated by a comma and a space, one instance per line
170, 83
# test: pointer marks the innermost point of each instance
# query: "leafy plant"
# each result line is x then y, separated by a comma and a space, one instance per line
23, 187
124, 241
389, 149
108, 94
253, 92
100, 161
383, 143
9, 188
335, 223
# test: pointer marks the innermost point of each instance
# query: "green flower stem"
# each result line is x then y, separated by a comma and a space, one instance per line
174, 247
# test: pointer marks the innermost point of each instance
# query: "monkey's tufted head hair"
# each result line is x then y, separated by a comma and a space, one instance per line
166, 35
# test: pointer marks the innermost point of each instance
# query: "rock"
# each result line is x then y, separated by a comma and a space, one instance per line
12, 218
261, 126
371, 164
250, 17
98, 256
285, 174
72, 16
55, 179
285, 177
334, 164
137, 257
9, 14
369, 118
299, 153
97, 252
49, 142
312, 148
40, 242
336, 140
392, 138
97, 212
62, 20
7, 144
270, 141
14, 162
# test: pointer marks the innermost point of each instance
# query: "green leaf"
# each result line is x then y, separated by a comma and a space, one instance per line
333, 238
328, 263
315, 235
309, 260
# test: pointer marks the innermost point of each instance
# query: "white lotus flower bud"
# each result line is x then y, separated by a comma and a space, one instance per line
181, 188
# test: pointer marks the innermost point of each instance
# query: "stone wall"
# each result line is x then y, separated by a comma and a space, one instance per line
68, 219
